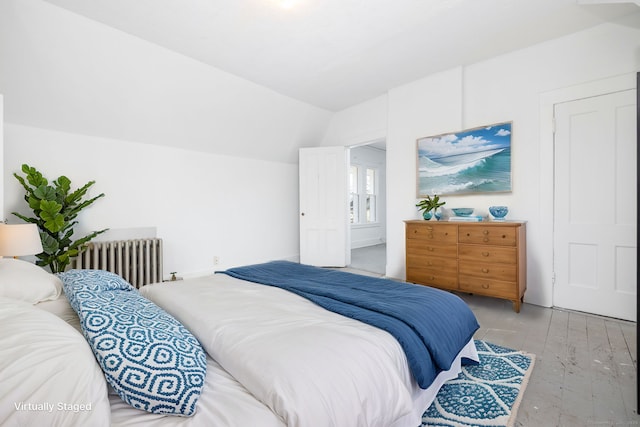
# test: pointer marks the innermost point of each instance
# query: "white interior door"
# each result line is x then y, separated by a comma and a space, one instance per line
324, 226
595, 248
2, 218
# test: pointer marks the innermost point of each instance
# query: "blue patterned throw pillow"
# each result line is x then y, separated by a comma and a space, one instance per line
150, 359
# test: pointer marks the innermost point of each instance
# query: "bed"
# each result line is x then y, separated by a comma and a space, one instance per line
273, 357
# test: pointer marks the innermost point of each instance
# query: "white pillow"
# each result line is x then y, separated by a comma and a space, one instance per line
47, 370
27, 282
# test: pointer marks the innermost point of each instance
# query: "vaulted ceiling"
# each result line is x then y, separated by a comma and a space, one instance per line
337, 53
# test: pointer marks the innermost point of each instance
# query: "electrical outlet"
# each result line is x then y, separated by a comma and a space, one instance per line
216, 260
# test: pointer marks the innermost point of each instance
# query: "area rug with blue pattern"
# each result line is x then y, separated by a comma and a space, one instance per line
486, 394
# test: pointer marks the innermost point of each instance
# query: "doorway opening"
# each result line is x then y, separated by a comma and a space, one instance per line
367, 206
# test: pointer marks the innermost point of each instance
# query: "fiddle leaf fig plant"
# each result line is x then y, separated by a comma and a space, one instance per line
55, 209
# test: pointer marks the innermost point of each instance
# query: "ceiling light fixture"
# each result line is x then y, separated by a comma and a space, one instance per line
287, 4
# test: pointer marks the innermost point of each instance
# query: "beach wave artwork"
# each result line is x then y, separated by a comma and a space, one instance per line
472, 161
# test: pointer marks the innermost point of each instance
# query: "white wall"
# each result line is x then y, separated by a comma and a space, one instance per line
65, 72
505, 88
361, 123
94, 103
202, 205
368, 234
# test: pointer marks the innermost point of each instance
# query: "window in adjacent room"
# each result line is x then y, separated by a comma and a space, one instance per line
354, 197
363, 194
372, 184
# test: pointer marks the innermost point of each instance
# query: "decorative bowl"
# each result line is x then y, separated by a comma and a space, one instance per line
462, 211
498, 212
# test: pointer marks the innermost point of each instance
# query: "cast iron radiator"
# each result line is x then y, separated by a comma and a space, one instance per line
138, 261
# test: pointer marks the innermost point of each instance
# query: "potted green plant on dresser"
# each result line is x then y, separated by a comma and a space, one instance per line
429, 205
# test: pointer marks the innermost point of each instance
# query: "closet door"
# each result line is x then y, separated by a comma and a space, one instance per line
595, 206
2, 217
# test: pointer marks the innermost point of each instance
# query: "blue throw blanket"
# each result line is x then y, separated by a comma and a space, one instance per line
431, 325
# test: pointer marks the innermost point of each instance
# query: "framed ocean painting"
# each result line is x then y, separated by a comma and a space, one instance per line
475, 160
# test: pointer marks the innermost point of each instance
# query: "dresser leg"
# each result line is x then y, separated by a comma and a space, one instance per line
516, 306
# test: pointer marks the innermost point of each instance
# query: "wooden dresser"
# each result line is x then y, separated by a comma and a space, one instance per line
484, 258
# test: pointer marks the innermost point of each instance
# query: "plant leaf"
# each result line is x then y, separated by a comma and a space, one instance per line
45, 192
50, 213
64, 184
34, 177
49, 244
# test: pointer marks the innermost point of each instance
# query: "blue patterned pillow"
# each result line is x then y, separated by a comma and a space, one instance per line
150, 359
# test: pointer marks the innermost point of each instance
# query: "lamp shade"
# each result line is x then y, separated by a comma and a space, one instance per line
19, 240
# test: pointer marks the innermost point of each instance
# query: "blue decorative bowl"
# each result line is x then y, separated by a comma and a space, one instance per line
462, 211
498, 212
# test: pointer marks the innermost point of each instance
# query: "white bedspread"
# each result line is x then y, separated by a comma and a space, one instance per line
310, 366
48, 375
224, 402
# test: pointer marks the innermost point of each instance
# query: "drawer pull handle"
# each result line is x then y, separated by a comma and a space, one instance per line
504, 236
485, 286
468, 234
430, 228
430, 236
429, 263
486, 239
485, 253
485, 231
432, 278
430, 249
485, 270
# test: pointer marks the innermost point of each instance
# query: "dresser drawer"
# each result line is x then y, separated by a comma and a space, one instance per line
429, 249
495, 288
488, 235
499, 254
505, 272
427, 232
433, 277
442, 264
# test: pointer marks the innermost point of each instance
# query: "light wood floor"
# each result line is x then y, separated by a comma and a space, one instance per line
585, 369
370, 258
